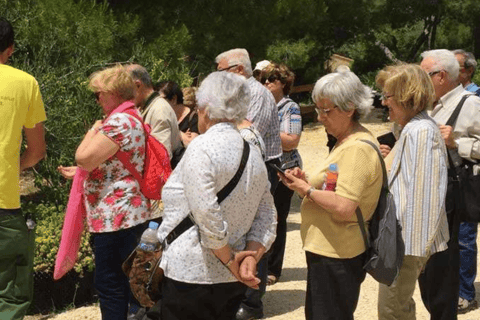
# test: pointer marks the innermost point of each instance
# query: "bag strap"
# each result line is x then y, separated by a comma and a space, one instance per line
451, 122
361, 222
187, 223
287, 100
453, 118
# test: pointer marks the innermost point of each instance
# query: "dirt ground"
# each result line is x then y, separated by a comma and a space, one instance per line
285, 300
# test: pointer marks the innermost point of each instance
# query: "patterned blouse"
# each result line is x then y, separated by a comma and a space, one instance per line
112, 195
247, 214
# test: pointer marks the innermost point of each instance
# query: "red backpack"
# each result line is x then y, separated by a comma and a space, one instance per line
156, 168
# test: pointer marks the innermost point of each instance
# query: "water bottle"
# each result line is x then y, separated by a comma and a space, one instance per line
331, 177
149, 241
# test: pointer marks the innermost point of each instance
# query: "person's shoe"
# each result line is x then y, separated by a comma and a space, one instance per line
245, 313
465, 306
136, 313
271, 280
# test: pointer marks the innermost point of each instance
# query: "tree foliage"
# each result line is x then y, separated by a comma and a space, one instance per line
61, 42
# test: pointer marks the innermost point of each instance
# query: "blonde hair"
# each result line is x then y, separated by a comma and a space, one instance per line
115, 79
409, 84
189, 96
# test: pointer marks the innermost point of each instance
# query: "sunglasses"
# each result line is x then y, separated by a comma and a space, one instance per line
97, 95
273, 78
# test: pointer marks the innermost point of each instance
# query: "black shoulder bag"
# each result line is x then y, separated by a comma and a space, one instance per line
466, 182
142, 269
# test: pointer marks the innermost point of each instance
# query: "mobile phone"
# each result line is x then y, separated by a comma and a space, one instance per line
388, 139
280, 170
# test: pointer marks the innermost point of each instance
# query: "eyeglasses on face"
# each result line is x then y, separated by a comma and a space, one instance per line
227, 68
432, 73
385, 96
322, 111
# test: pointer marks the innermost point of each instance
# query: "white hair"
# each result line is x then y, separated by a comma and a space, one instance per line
346, 91
237, 57
444, 60
224, 95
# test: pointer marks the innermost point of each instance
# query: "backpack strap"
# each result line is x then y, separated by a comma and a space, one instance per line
384, 187
187, 223
129, 108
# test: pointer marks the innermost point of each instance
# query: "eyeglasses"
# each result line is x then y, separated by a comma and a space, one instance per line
273, 78
227, 68
385, 96
97, 95
321, 111
432, 73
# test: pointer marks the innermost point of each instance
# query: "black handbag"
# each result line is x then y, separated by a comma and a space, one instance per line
466, 179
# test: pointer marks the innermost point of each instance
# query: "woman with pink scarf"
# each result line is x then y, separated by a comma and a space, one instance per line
116, 210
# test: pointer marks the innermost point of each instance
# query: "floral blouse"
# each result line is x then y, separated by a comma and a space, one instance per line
113, 199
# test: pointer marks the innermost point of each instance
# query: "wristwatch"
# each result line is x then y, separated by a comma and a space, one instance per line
309, 193
230, 261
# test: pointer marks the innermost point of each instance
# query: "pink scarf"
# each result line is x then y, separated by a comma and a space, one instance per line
72, 227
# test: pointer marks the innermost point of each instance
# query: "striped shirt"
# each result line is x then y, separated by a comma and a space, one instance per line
262, 112
418, 182
291, 123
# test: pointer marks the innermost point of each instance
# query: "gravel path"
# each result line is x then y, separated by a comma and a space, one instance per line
285, 299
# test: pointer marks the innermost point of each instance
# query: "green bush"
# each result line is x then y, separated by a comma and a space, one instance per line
61, 42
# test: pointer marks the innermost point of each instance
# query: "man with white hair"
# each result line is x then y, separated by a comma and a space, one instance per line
263, 115
467, 237
439, 283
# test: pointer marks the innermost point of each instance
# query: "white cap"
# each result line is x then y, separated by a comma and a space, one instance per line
262, 65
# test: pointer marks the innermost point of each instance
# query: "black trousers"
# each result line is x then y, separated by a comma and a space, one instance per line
253, 298
333, 287
283, 198
183, 301
439, 283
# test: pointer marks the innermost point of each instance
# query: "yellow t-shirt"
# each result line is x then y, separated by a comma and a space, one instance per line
20, 106
359, 179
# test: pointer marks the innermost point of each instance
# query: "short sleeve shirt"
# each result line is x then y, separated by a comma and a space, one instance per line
21, 106
291, 123
112, 195
360, 180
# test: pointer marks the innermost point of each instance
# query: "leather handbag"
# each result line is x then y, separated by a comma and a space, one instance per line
142, 268
466, 178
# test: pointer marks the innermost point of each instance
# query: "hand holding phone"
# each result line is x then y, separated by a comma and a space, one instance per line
278, 169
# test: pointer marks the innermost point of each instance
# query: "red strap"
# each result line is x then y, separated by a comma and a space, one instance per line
129, 108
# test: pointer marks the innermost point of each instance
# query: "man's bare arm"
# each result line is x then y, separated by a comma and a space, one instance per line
36, 146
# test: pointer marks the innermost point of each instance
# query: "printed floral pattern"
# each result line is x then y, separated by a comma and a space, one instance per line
112, 195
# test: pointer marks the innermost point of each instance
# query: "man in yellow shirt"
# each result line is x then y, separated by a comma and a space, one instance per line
21, 110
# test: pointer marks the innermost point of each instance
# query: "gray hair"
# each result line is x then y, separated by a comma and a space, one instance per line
469, 62
444, 60
140, 73
346, 91
237, 57
224, 95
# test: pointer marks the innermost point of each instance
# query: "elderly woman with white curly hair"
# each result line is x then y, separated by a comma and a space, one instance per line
209, 266
330, 232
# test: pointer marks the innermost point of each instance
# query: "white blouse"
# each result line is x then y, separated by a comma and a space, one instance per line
247, 214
